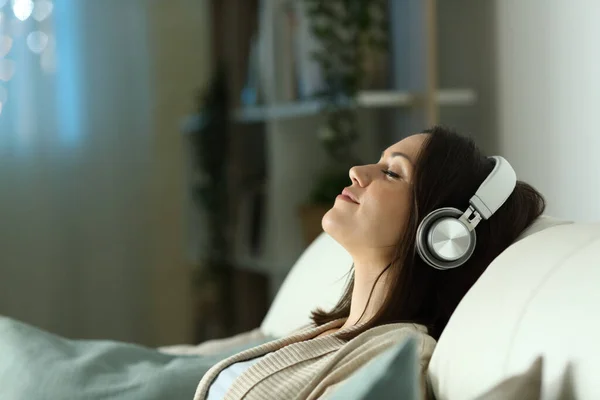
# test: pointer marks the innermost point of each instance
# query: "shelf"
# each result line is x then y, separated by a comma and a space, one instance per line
366, 99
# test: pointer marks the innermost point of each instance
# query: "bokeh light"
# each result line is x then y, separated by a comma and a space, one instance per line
22, 8
37, 41
6, 43
3, 95
7, 69
12, 29
42, 10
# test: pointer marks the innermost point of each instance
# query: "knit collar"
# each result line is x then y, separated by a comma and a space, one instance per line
304, 341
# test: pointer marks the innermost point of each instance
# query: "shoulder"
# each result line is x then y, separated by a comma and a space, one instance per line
395, 331
385, 336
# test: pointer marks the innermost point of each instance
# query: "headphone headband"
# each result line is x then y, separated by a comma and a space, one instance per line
495, 189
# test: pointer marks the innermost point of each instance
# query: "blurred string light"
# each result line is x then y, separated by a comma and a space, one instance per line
37, 41
42, 10
40, 43
22, 8
7, 69
3, 97
6, 43
5, 46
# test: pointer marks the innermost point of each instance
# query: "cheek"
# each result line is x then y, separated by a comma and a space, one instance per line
388, 215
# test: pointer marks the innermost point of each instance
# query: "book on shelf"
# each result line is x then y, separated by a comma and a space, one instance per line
281, 67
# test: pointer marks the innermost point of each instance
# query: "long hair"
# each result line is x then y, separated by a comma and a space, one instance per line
448, 171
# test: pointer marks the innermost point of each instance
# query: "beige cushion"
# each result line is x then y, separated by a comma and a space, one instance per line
526, 386
540, 224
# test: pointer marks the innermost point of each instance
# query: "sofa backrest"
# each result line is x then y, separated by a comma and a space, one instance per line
317, 279
539, 297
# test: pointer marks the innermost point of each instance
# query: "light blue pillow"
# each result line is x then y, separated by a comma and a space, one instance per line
38, 365
394, 374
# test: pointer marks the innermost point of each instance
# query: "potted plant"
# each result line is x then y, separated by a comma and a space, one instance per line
349, 33
210, 147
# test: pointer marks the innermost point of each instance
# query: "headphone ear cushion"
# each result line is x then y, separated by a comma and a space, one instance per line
423, 243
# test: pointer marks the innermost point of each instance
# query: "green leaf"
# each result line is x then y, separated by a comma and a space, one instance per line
347, 30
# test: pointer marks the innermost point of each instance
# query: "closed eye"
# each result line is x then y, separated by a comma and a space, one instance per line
391, 174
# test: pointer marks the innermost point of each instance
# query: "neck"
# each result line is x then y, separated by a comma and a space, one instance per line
365, 284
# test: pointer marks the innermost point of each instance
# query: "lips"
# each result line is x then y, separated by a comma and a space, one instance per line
350, 195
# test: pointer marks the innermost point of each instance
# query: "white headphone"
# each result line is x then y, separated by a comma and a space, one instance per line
446, 236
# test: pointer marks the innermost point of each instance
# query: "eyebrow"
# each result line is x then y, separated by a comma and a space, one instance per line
399, 154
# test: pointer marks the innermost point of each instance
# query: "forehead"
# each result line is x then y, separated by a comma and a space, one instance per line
410, 145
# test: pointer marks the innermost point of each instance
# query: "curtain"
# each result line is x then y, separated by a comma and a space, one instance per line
75, 166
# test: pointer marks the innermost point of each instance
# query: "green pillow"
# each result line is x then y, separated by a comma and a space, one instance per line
394, 374
38, 365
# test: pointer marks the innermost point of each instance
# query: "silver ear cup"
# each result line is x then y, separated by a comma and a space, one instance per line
443, 241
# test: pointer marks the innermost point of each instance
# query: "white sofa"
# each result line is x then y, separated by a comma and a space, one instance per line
539, 297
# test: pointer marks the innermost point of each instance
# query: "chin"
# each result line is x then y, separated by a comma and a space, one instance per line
333, 224
325, 221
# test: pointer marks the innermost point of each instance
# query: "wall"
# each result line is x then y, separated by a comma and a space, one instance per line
466, 59
180, 34
548, 96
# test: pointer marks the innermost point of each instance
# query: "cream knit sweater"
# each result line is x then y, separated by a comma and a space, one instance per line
302, 366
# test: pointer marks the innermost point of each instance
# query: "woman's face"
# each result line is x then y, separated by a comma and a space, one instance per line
372, 211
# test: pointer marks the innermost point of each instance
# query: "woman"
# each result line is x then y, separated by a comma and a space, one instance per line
393, 292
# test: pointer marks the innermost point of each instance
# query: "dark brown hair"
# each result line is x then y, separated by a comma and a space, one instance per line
448, 171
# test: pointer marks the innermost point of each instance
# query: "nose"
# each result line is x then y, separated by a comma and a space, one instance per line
360, 175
